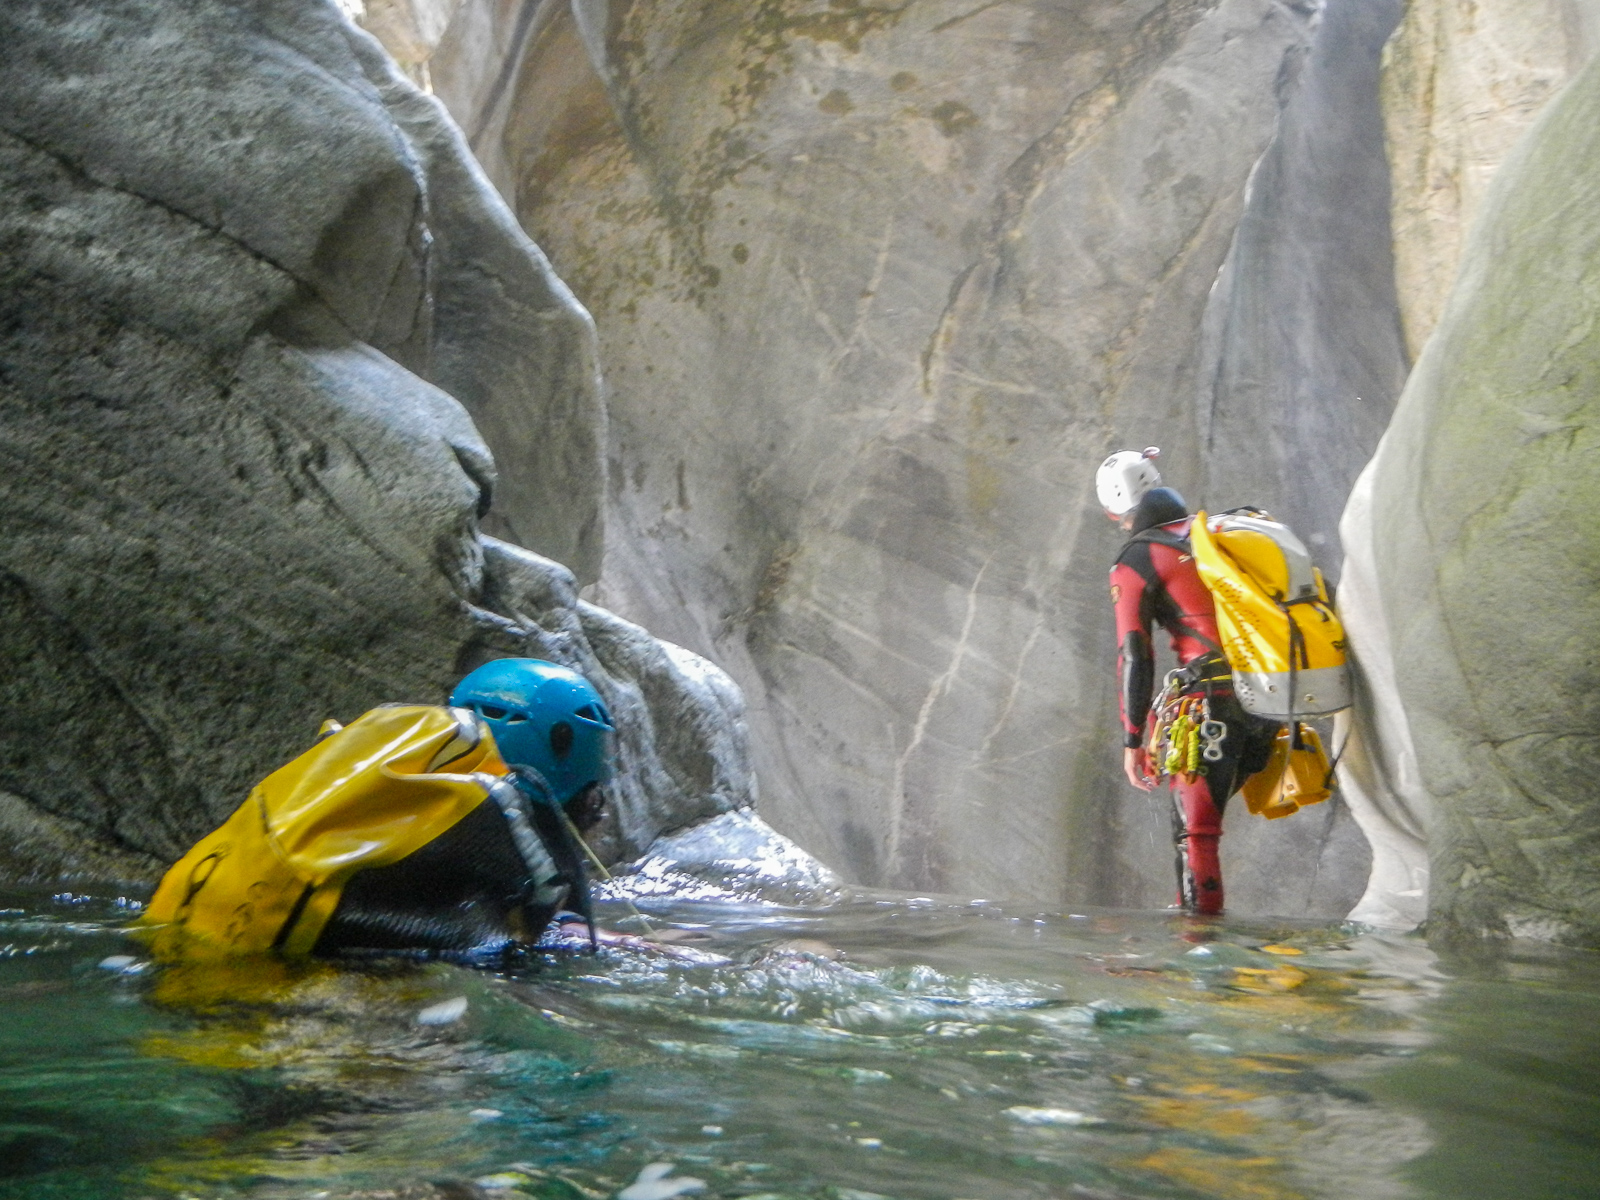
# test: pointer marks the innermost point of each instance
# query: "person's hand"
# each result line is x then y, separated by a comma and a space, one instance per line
1136, 766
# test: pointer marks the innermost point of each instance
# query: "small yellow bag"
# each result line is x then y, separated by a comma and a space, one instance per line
1295, 776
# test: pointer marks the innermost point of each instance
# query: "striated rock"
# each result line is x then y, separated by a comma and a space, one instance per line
1302, 354
1478, 599
1462, 81
510, 343
877, 286
249, 279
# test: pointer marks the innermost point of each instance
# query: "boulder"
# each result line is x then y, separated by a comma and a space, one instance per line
252, 289
1478, 600
409, 29
732, 857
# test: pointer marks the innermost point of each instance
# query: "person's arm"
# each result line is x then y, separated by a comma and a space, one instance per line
1135, 671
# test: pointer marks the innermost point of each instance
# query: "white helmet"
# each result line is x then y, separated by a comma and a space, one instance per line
1124, 478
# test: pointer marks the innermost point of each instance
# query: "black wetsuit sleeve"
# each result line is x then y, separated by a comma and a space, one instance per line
1138, 671
1130, 598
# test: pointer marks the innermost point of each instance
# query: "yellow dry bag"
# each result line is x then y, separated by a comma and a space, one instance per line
1297, 775
364, 797
1284, 644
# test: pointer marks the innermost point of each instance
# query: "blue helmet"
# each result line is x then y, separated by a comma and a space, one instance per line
542, 716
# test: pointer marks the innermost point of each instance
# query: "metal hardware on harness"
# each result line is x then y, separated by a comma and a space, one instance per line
1183, 735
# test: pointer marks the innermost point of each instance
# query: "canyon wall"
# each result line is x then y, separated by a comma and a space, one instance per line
254, 293
877, 286
1301, 359
1462, 81
1466, 590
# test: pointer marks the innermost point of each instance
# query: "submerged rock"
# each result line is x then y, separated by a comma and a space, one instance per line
253, 292
734, 856
1478, 603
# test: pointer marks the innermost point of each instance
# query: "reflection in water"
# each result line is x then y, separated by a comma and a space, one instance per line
874, 1046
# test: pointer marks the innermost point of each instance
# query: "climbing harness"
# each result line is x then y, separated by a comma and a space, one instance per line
1183, 736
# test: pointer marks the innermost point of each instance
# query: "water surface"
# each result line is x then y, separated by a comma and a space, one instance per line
878, 1046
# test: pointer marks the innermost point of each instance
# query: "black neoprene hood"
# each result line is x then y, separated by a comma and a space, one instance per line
1159, 507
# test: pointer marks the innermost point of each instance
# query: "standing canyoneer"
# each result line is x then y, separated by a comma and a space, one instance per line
1155, 581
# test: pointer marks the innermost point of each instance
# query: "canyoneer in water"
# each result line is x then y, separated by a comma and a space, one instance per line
452, 829
1252, 629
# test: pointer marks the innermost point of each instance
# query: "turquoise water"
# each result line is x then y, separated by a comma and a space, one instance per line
877, 1046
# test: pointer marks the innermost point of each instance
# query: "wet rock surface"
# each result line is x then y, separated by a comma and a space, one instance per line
683, 747
254, 291
1301, 352
1481, 556
735, 856
877, 287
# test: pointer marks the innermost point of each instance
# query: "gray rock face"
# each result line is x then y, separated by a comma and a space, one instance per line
683, 748
247, 275
1378, 773
510, 343
877, 287
409, 29
1482, 554
1459, 89
1461, 85
1302, 356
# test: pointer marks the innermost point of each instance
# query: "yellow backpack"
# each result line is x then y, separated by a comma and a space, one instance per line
1283, 641
365, 796
1284, 644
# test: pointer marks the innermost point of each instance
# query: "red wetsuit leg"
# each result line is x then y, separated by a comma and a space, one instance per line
1202, 823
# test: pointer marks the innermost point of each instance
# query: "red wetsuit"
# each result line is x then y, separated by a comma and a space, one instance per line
1156, 584
1153, 584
